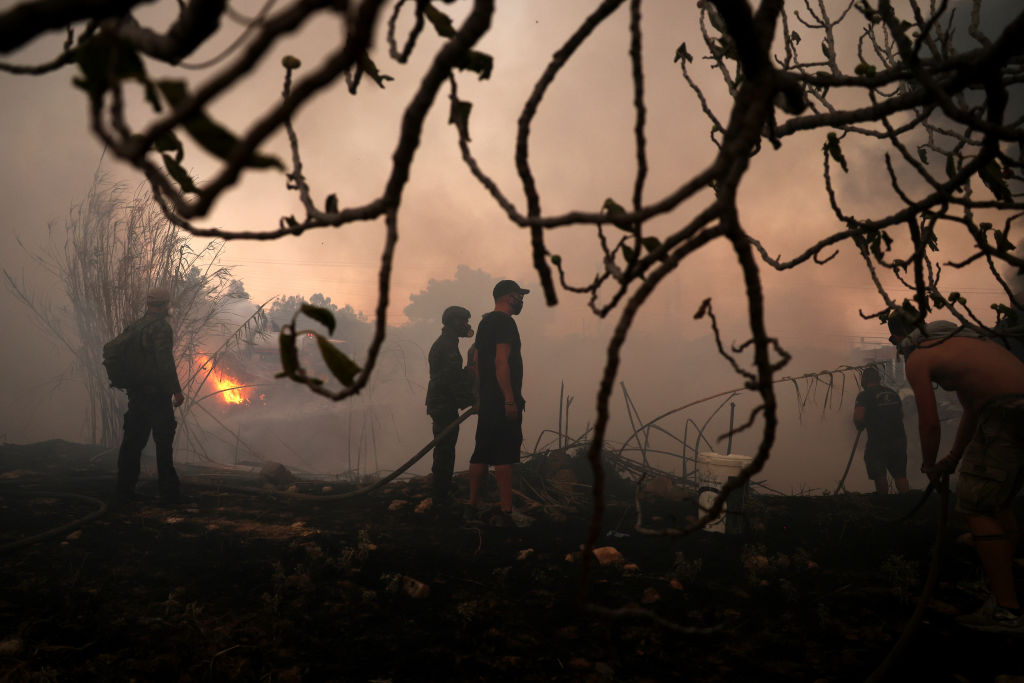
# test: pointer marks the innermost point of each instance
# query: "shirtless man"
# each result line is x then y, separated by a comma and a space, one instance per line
989, 382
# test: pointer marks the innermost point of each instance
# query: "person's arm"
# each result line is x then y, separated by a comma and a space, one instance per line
919, 377
163, 350
858, 417
964, 432
504, 376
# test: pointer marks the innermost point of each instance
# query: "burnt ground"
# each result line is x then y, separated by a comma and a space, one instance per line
242, 585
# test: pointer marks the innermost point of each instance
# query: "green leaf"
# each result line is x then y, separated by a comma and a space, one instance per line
289, 354
922, 153
289, 62
628, 252
479, 62
105, 60
340, 365
179, 174
651, 243
442, 23
321, 315
332, 203
213, 137
459, 115
556, 259
865, 69
795, 37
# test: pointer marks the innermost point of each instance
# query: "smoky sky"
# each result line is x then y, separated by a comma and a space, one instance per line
581, 153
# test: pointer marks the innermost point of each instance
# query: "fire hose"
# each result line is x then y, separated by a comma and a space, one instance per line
848, 462
358, 492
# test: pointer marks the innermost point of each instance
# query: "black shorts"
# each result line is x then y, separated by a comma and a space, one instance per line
889, 455
498, 439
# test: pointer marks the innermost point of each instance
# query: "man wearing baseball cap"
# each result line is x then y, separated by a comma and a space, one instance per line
499, 430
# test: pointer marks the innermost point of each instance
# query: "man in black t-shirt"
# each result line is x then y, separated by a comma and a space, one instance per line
499, 427
880, 411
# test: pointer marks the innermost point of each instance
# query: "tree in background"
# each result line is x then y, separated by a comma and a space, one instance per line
114, 248
931, 96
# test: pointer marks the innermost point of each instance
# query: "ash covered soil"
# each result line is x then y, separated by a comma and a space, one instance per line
238, 584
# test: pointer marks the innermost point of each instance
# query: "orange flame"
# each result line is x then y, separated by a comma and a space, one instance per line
231, 389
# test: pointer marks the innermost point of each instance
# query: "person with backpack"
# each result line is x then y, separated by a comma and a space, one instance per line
141, 361
879, 410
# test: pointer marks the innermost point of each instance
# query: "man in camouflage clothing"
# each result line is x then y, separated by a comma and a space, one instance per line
150, 405
449, 390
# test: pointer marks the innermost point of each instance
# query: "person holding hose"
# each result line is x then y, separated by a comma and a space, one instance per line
988, 448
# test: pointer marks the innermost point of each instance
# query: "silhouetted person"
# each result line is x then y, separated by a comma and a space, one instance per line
449, 390
499, 427
150, 404
989, 382
880, 411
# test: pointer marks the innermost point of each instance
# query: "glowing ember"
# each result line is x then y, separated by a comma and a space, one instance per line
231, 390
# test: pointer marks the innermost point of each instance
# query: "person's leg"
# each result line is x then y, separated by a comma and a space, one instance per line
882, 485
477, 470
902, 485
136, 434
164, 426
444, 453
995, 546
503, 473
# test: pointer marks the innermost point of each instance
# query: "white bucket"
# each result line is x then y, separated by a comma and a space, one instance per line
713, 470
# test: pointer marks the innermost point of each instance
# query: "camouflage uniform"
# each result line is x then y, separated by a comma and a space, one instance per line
450, 388
150, 410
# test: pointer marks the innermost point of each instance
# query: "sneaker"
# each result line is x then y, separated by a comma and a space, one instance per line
976, 588
993, 619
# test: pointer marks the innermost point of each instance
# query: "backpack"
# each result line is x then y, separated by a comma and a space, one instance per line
126, 360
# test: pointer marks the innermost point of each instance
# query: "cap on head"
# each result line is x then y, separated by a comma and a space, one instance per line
455, 315
507, 287
901, 322
870, 376
159, 296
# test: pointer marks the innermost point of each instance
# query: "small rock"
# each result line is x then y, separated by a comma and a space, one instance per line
424, 505
572, 557
74, 535
603, 670
965, 539
525, 553
397, 504
11, 646
650, 596
326, 489
608, 555
631, 567
675, 585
